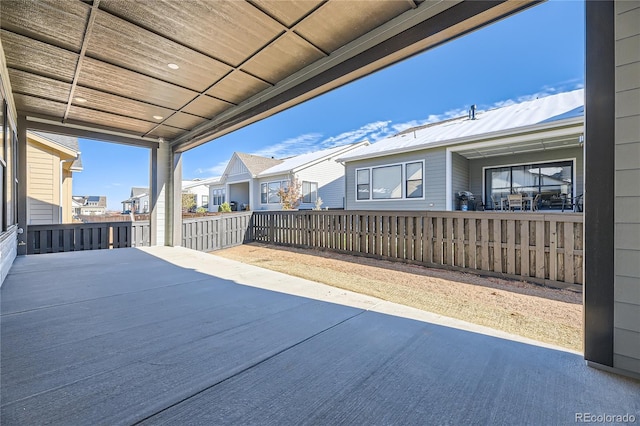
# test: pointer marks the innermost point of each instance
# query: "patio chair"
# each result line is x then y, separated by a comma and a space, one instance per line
535, 204
495, 204
515, 201
578, 204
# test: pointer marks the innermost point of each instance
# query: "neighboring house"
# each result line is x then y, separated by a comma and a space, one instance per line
252, 182
138, 201
200, 190
89, 205
534, 147
52, 160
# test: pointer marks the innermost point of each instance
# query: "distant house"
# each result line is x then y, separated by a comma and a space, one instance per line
252, 182
89, 205
533, 147
199, 188
138, 201
52, 160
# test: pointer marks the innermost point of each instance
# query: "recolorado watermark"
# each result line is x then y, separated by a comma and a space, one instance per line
605, 418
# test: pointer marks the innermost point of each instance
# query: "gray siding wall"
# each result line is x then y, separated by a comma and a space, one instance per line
476, 166
329, 175
627, 188
460, 177
434, 182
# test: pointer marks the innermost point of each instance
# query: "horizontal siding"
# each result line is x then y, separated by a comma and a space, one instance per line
459, 177
42, 185
476, 166
434, 182
627, 190
329, 175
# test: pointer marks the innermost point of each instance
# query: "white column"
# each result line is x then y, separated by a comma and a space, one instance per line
165, 196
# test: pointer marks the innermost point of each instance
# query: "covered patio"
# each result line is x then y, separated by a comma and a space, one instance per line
87, 338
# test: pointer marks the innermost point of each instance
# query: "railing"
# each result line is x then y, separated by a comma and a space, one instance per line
544, 248
216, 232
86, 236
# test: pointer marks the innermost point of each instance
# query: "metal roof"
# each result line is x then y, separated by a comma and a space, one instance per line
106, 69
526, 116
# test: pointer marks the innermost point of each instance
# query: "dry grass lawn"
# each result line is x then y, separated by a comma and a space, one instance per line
544, 314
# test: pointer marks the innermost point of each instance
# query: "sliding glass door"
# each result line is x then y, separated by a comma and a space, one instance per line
554, 181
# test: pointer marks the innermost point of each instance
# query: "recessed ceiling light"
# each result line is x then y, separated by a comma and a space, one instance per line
79, 100
173, 66
158, 117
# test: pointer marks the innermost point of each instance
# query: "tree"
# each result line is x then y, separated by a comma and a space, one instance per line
291, 194
188, 202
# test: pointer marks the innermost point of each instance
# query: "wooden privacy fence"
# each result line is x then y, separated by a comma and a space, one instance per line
86, 236
544, 248
216, 232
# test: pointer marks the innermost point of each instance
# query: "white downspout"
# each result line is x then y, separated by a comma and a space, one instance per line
61, 184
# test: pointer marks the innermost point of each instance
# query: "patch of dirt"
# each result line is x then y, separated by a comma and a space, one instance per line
544, 314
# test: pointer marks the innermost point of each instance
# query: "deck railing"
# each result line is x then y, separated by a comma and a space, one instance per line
216, 232
544, 248
86, 236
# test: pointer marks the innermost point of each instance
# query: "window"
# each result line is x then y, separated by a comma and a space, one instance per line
205, 201
218, 197
269, 192
362, 185
553, 181
413, 180
309, 192
391, 182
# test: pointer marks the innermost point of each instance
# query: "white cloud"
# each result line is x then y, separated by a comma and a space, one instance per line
289, 147
216, 170
371, 131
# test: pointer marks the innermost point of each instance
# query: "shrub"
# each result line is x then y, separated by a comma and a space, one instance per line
291, 195
225, 208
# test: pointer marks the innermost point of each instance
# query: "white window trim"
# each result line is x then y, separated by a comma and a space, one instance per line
559, 160
403, 172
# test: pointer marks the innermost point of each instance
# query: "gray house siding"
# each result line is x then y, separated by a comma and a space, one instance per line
434, 182
460, 176
626, 333
329, 174
476, 178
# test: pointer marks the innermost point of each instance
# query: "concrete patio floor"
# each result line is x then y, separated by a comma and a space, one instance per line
166, 335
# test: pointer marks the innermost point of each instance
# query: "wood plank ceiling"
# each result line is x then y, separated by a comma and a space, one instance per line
189, 71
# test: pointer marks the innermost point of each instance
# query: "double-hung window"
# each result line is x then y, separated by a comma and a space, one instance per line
390, 182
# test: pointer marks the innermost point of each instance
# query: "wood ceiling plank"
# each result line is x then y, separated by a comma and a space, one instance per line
288, 54
340, 22
31, 104
43, 87
112, 79
184, 121
37, 57
236, 87
107, 120
166, 132
60, 23
121, 43
118, 105
206, 106
230, 31
288, 12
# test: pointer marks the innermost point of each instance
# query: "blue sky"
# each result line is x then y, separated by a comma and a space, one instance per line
535, 53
